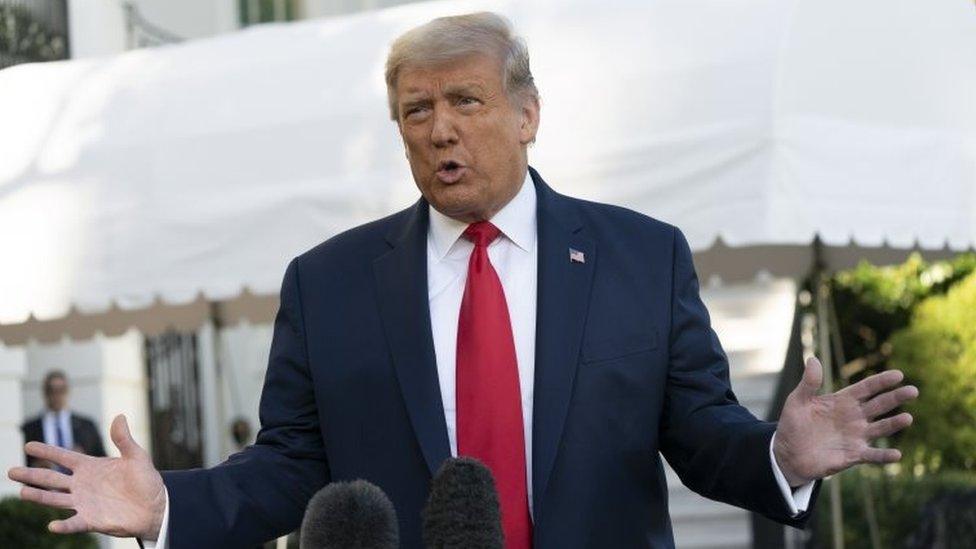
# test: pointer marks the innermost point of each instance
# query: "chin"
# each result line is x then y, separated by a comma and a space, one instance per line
456, 197
455, 209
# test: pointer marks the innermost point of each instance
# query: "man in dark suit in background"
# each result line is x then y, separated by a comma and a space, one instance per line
59, 426
560, 341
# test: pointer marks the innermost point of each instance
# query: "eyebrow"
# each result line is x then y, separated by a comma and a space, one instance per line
466, 88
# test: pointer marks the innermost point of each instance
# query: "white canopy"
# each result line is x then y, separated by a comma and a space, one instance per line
188, 173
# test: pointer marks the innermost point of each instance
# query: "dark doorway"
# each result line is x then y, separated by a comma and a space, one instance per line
174, 400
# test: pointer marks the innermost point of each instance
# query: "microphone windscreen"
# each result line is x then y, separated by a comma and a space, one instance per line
347, 515
462, 510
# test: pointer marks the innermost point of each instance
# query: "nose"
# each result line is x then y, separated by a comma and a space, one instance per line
443, 132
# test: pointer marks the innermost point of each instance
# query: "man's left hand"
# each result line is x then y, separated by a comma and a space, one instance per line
819, 435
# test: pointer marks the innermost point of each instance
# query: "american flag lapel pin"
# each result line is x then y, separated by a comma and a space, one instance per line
576, 256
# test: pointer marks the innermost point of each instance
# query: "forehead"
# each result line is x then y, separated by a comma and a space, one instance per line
483, 71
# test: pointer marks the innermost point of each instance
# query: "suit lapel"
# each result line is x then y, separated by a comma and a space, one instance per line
401, 287
563, 300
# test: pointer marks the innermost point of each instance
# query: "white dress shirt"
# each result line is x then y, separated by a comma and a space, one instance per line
49, 425
514, 256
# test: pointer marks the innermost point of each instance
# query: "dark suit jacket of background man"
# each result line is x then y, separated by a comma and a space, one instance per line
626, 366
83, 431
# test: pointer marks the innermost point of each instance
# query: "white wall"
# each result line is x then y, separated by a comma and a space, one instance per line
231, 379
191, 18
98, 27
13, 364
321, 8
95, 27
244, 351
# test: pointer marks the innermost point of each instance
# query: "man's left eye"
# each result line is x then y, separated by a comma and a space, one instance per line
467, 101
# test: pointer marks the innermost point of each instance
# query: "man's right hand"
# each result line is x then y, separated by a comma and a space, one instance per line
121, 496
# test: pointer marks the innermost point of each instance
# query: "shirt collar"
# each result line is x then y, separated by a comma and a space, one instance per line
60, 415
516, 220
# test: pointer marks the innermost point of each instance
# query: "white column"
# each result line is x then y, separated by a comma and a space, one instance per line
124, 386
244, 361
212, 416
226, 16
13, 364
96, 27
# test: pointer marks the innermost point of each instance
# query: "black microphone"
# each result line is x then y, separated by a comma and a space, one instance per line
462, 511
345, 515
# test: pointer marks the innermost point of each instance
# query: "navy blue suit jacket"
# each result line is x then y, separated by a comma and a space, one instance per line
627, 366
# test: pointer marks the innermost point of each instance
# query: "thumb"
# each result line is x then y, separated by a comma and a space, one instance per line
123, 438
812, 378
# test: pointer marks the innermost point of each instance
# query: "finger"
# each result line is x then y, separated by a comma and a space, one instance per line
812, 378
70, 525
123, 438
886, 402
36, 476
888, 426
46, 497
870, 386
64, 458
880, 456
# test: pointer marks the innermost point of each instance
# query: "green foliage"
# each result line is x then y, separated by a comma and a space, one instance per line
937, 352
899, 506
872, 303
24, 39
24, 524
920, 318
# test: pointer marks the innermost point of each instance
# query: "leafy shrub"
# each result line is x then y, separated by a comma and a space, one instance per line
902, 507
937, 352
873, 303
24, 524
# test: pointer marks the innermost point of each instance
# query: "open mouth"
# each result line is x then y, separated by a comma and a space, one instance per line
450, 171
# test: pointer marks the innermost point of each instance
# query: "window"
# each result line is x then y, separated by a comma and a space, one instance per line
33, 31
265, 11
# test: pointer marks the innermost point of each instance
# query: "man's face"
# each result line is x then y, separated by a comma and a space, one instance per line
464, 136
56, 394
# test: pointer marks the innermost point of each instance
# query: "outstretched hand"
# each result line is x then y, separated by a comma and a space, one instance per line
819, 435
121, 496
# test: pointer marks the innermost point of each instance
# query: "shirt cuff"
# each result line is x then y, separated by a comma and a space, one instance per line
797, 500
160, 542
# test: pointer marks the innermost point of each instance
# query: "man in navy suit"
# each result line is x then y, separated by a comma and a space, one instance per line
561, 341
59, 425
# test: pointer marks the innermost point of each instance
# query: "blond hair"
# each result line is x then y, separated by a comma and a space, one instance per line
450, 38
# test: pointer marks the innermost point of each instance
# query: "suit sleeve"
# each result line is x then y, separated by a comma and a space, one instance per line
260, 493
96, 448
717, 447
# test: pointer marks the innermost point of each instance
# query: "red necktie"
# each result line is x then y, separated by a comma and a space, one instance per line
489, 405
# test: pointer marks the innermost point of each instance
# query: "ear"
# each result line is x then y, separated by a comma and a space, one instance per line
529, 120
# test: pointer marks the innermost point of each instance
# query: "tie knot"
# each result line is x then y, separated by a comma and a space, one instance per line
481, 233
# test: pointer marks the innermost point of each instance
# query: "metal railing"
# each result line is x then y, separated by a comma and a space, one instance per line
142, 33
174, 400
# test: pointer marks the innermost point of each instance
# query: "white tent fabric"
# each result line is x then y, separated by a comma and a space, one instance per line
199, 169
